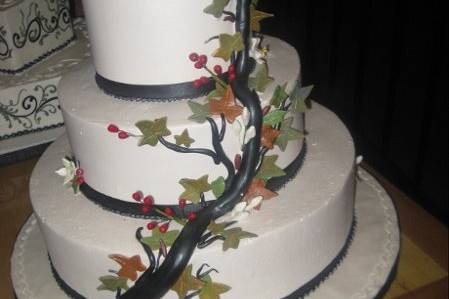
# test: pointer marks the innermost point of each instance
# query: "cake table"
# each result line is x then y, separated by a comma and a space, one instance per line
365, 272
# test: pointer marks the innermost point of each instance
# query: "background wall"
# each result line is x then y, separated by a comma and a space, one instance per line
382, 66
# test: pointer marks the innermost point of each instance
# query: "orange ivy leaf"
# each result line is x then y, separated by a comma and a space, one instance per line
130, 266
269, 136
226, 105
257, 188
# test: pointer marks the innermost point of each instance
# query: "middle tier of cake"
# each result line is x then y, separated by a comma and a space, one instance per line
114, 165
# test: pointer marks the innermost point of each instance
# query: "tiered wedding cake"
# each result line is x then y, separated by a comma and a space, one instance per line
188, 170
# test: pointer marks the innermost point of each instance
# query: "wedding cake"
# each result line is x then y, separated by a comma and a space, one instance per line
189, 169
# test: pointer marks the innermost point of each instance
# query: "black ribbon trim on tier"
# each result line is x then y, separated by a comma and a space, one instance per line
134, 210
299, 293
155, 93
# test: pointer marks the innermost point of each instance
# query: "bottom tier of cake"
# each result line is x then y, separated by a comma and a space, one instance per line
300, 235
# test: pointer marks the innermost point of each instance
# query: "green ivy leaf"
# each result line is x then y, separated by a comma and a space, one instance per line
216, 8
218, 187
257, 16
217, 228
287, 133
212, 290
113, 283
279, 96
200, 112
274, 117
169, 238
218, 92
299, 98
262, 80
184, 139
269, 169
186, 282
152, 130
233, 237
229, 44
194, 188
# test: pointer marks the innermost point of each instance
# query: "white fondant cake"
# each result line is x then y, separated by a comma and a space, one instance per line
31, 30
299, 233
114, 167
29, 101
181, 163
163, 34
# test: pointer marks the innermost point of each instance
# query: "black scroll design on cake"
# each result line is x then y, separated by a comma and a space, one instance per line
5, 49
29, 109
40, 27
154, 285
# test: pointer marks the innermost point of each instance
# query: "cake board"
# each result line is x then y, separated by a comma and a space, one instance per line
365, 272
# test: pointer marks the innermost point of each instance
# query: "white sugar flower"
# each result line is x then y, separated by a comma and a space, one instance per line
258, 54
239, 126
244, 209
68, 171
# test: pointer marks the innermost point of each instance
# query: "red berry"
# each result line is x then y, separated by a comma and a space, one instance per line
193, 57
204, 80
123, 135
164, 227
151, 225
148, 201
79, 172
146, 209
232, 68
237, 161
80, 180
197, 83
199, 65
182, 203
192, 216
137, 196
231, 77
202, 59
169, 212
218, 69
113, 128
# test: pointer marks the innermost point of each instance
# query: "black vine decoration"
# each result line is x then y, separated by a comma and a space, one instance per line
154, 285
5, 49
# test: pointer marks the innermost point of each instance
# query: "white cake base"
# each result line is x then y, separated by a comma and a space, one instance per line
362, 274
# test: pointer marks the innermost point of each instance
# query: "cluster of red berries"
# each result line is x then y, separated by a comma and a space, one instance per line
231, 73
162, 226
147, 201
182, 205
79, 175
114, 129
200, 60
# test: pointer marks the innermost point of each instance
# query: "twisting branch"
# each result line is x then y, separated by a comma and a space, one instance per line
223, 127
218, 147
185, 150
156, 285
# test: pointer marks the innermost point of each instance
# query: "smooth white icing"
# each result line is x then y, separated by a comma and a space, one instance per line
299, 233
40, 82
119, 168
148, 43
17, 16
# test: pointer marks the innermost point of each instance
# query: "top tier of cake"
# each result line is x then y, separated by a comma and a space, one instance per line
148, 42
31, 30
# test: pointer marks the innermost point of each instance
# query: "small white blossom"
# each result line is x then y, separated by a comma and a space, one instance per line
239, 126
256, 53
68, 171
359, 160
244, 209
